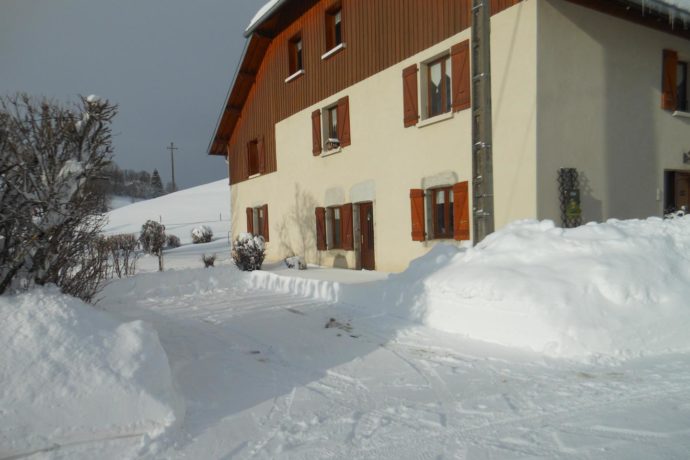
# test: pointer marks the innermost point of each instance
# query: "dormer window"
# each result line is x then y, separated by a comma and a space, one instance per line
295, 60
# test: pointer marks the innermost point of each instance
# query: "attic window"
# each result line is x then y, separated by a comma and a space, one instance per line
334, 27
295, 59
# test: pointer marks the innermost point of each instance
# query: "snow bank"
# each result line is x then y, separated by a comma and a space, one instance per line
621, 288
71, 373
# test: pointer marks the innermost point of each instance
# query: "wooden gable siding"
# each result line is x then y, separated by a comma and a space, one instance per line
377, 35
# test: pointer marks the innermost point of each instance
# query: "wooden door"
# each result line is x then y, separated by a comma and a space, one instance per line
682, 191
366, 226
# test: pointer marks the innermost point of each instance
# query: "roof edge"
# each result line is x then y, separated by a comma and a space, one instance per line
227, 98
258, 20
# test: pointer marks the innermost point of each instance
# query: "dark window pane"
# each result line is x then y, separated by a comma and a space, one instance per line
682, 90
337, 238
337, 32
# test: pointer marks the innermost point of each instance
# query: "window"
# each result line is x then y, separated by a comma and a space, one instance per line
682, 86
253, 167
295, 60
442, 212
257, 221
334, 30
438, 81
438, 86
332, 124
336, 230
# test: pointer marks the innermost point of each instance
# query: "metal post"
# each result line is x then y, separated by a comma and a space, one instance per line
172, 148
482, 162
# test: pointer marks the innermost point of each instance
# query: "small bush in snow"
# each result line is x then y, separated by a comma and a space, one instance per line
172, 241
122, 252
202, 234
208, 260
295, 262
152, 240
248, 252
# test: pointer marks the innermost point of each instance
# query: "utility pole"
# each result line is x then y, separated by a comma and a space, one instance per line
172, 149
482, 161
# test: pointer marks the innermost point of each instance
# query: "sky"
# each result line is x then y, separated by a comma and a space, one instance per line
168, 64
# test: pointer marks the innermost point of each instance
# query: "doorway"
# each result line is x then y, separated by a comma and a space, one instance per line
676, 191
366, 226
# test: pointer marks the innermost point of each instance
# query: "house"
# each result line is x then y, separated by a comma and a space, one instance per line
348, 127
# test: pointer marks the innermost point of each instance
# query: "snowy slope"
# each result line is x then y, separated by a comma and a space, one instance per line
180, 212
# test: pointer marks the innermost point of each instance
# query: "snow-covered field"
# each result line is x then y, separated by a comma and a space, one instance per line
538, 343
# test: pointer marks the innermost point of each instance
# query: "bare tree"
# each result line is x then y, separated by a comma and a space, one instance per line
50, 219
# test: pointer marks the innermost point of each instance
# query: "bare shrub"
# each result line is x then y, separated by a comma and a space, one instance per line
51, 156
122, 252
209, 260
172, 241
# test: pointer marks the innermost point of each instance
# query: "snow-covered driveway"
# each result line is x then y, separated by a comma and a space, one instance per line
263, 377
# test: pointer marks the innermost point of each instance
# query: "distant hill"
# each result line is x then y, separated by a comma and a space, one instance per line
180, 212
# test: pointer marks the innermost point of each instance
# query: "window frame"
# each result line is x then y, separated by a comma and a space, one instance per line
253, 158
682, 86
334, 27
335, 227
446, 90
448, 213
329, 125
295, 55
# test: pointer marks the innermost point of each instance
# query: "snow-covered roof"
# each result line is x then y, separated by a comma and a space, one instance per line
675, 9
264, 12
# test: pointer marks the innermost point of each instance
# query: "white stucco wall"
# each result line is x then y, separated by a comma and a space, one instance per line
386, 160
599, 111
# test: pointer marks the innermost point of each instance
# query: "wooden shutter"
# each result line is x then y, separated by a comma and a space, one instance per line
346, 223
461, 211
460, 63
669, 89
261, 152
265, 226
344, 121
417, 213
321, 229
316, 132
250, 220
410, 101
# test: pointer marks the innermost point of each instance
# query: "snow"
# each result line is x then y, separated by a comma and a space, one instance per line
618, 289
262, 13
71, 373
539, 342
118, 201
180, 212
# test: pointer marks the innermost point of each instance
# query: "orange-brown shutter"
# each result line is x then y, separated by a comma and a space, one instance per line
410, 102
316, 132
344, 121
669, 90
250, 220
461, 211
346, 222
460, 63
265, 229
262, 155
321, 229
417, 213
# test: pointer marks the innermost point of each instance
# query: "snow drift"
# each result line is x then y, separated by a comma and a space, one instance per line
71, 373
614, 290
621, 288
